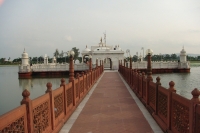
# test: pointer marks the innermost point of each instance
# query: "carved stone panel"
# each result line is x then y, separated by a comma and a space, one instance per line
41, 118
180, 117
162, 105
58, 104
16, 126
69, 96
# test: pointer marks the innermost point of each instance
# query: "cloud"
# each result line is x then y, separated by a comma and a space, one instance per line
68, 38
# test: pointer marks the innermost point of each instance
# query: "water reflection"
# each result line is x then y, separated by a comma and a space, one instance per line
11, 87
31, 84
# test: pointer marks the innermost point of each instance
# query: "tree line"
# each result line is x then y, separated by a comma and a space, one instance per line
167, 57
61, 57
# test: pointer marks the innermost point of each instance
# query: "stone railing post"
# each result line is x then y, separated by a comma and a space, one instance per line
82, 74
157, 84
78, 86
97, 63
49, 90
193, 126
63, 84
143, 78
136, 84
169, 102
149, 75
130, 71
27, 101
86, 78
71, 69
102, 66
132, 78
91, 77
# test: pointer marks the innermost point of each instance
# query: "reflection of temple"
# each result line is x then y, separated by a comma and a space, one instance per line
109, 54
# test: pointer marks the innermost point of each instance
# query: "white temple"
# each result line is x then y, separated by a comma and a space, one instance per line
109, 54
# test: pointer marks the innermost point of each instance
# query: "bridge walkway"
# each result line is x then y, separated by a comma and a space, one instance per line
111, 107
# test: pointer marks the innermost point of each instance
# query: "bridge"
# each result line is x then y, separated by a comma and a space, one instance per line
112, 105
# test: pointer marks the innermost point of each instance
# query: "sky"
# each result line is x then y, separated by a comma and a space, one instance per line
42, 26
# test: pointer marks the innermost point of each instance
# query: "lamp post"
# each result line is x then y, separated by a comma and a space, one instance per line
149, 53
71, 65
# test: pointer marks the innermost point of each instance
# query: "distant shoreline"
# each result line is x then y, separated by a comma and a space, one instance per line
9, 64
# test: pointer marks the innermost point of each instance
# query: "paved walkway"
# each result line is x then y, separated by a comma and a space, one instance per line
111, 107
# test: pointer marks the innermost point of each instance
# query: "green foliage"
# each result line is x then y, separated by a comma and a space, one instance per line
2, 60
61, 54
80, 59
17, 60
56, 53
135, 58
76, 51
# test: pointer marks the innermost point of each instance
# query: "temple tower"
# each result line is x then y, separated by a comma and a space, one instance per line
25, 59
183, 55
46, 59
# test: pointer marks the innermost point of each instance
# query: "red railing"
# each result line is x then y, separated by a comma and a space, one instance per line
171, 111
48, 113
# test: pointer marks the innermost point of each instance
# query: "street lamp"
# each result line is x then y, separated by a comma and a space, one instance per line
71, 65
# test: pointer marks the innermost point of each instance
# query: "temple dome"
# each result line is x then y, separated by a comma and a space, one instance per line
86, 50
24, 54
183, 52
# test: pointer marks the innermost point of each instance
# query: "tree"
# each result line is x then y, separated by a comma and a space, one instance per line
61, 54
41, 59
76, 51
135, 58
17, 60
2, 60
174, 57
167, 57
56, 53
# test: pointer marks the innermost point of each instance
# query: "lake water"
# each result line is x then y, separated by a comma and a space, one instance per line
11, 87
184, 82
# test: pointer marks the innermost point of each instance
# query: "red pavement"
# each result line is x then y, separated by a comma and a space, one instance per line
111, 109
